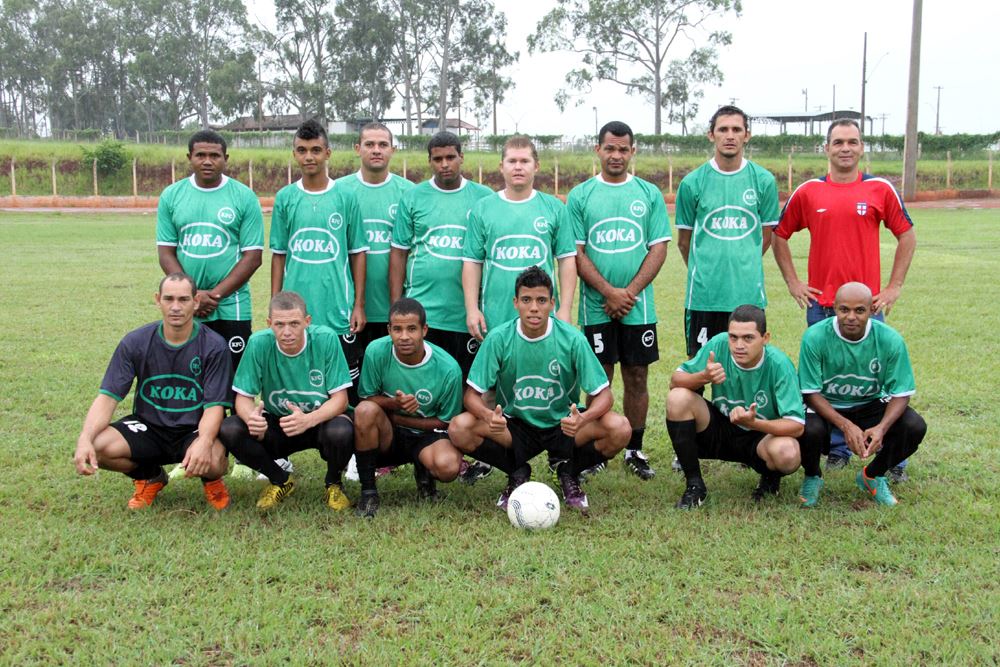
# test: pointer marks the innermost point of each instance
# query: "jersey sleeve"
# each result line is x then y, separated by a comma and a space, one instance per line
475, 236
279, 225
897, 219
589, 371
249, 374
451, 395
658, 218
767, 201
564, 240
252, 223
166, 230
402, 228
118, 377
899, 379
356, 239
576, 217
370, 382
485, 366
216, 372
686, 206
810, 366
792, 219
787, 395
338, 376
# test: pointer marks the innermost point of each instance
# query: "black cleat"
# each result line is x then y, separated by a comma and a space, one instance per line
368, 505
769, 486
474, 471
897, 475
694, 496
426, 486
637, 463
834, 462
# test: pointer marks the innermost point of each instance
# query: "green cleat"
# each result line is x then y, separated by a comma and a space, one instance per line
242, 473
877, 487
809, 493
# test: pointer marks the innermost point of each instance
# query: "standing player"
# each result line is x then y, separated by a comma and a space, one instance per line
181, 371
318, 246
842, 212
298, 369
427, 243
622, 230
754, 416
537, 365
411, 390
378, 193
855, 374
512, 230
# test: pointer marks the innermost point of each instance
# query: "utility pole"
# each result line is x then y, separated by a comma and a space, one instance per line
805, 124
833, 110
912, 103
883, 117
937, 114
864, 74
596, 127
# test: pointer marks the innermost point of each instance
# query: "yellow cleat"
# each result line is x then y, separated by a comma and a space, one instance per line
336, 499
274, 494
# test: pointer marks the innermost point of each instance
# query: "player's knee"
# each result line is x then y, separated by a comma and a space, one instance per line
915, 427
815, 429
220, 462
679, 402
785, 455
446, 465
337, 432
233, 431
460, 429
366, 413
635, 378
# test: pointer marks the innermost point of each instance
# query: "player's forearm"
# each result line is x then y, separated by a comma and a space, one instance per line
335, 405
359, 267
684, 380
475, 404
684, 243
783, 256
387, 404
98, 416
893, 411
589, 274
822, 407
905, 246
168, 259
768, 235
244, 406
597, 406
472, 275
211, 420
277, 272
567, 282
248, 264
651, 265
418, 423
780, 427
397, 269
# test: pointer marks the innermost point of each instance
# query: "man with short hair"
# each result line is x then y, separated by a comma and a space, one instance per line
181, 372
622, 231
211, 227
411, 390
842, 212
509, 231
855, 374
537, 364
298, 368
427, 243
318, 246
755, 414
378, 193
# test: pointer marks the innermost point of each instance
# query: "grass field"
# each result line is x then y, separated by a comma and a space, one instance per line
85, 581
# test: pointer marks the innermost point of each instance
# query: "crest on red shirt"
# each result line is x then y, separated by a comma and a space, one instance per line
862, 207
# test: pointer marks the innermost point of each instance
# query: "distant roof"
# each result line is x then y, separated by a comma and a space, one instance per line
450, 122
805, 116
288, 122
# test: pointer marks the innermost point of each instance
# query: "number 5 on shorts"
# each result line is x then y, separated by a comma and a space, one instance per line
598, 343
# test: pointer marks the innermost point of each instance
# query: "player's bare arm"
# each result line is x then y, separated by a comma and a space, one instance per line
650, 267
472, 277
167, 254
767, 234
906, 244
397, 269
684, 243
198, 458
277, 272
359, 264
98, 418
616, 299
800, 291
567, 287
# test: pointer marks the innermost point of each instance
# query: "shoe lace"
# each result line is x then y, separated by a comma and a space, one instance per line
569, 485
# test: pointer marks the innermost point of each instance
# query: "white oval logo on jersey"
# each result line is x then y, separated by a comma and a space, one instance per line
316, 377
730, 223
313, 245
750, 197
554, 368
392, 211
760, 398
648, 337
541, 225
424, 396
614, 235
307, 401
445, 241
203, 240
335, 221
236, 344
533, 392
379, 235
637, 208
226, 215
516, 252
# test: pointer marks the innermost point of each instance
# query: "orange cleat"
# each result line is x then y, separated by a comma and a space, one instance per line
145, 491
217, 494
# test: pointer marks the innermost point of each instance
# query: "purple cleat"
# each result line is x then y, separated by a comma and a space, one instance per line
573, 495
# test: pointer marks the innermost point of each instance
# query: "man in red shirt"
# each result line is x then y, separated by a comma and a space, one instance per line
843, 211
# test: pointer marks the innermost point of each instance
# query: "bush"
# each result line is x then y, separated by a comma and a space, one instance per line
110, 154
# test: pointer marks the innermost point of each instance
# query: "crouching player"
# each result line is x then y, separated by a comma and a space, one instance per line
537, 364
411, 390
181, 369
755, 414
855, 374
299, 370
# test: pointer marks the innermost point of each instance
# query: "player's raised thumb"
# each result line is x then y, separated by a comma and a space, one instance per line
294, 407
498, 411
573, 411
399, 393
711, 357
258, 409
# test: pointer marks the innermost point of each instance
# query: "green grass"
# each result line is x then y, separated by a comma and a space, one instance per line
85, 581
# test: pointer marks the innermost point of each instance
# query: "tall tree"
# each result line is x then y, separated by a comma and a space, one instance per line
361, 78
628, 42
307, 34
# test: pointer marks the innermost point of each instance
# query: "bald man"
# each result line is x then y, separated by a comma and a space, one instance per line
855, 375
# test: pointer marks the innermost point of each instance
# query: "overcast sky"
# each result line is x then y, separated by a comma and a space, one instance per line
781, 47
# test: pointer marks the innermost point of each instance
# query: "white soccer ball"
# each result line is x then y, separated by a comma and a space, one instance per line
533, 506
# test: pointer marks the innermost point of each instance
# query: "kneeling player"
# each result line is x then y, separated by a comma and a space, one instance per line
756, 412
411, 389
855, 374
537, 364
181, 369
299, 370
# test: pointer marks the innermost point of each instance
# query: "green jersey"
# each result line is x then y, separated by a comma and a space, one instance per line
726, 213
536, 379
378, 204
307, 379
507, 237
211, 229
849, 373
436, 382
432, 226
617, 223
316, 231
772, 384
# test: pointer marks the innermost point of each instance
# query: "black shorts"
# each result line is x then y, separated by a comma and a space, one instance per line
700, 326
280, 446
630, 344
459, 344
529, 441
156, 445
372, 332
236, 333
407, 445
353, 346
725, 441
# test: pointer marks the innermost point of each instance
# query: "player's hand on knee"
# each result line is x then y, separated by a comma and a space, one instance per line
198, 458
85, 457
855, 439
